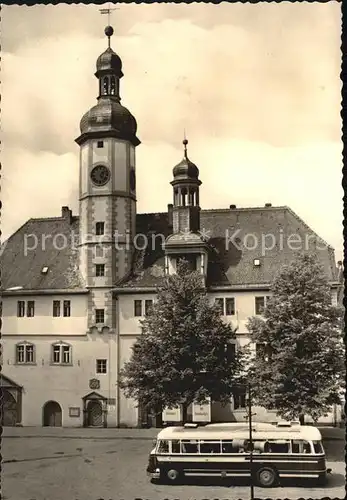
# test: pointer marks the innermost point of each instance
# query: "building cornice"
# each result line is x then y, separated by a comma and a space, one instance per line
51, 291
212, 288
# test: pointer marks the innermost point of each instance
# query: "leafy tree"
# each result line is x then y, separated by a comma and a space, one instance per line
184, 353
301, 364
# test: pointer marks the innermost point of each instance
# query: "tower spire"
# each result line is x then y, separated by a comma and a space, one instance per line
185, 142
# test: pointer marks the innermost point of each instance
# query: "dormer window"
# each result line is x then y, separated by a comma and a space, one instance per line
190, 259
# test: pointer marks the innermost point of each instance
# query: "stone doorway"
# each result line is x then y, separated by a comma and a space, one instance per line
11, 399
52, 414
94, 410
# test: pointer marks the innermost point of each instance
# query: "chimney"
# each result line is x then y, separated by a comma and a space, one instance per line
268, 205
232, 207
169, 213
66, 214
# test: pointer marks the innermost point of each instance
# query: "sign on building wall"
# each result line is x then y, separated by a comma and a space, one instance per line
172, 414
74, 411
201, 413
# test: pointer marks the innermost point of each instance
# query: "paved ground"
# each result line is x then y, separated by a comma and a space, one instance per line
83, 464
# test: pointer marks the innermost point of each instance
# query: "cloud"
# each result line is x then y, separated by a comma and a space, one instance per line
256, 86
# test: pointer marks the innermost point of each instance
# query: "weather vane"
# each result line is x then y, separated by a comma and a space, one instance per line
108, 29
108, 12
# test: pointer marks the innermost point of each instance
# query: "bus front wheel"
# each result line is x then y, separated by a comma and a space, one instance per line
172, 475
266, 477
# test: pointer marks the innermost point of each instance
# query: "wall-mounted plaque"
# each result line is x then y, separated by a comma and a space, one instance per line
74, 411
94, 383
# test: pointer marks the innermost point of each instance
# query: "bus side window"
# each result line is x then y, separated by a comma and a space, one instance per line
176, 448
209, 447
189, 447
163, 447
318, 448
296, 446
279, 446
307, 447
227, 447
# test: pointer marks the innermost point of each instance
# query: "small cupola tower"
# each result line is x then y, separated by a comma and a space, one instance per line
107, 190
186, 241
186, 209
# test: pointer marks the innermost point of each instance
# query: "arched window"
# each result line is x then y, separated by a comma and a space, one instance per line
25, 353
105, 85
113, 85
61, 353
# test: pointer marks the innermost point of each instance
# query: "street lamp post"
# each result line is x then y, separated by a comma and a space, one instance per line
250, 441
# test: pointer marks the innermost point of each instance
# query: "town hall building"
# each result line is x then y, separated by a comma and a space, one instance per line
75, 287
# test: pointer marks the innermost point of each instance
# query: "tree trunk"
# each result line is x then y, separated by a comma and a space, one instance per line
302, 419
184, 413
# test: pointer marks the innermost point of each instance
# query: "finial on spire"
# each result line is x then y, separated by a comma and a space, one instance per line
108, 30
185, 142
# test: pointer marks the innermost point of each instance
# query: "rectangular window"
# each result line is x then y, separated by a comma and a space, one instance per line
99, 269
230, 306
227, 447
67, 308
99, 228
56, 308
210, 447
259, 305
20, 356
189, 446
20, 308
66, 354
29, 352
279, 446
61, 354
31, 308
100, 144
25, 353
148, 307
101, 366
239, 398
99, 315
220, 304
137, 308
176, 446
56, 354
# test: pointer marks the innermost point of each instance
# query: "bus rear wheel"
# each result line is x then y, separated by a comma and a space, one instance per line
173, 475
266, 477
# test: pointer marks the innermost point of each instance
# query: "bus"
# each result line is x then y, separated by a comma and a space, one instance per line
223, 450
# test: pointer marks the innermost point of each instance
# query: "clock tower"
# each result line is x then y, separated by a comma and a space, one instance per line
107, 190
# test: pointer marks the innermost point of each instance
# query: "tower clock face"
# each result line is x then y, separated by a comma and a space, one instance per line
100, 175
132, 179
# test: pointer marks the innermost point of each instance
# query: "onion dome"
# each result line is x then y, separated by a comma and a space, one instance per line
186, 169
110, 115
109, 61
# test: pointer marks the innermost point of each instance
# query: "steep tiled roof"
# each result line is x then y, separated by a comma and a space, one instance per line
37, 244
236, 238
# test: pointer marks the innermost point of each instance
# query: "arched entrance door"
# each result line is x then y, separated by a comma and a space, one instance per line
52, 414
9, 415
94, 414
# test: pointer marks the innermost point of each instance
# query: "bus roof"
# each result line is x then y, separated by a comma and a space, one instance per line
241, 431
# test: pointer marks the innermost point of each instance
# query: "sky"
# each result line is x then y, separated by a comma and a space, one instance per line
255, 86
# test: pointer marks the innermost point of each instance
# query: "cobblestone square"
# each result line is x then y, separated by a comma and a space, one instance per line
111, 464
